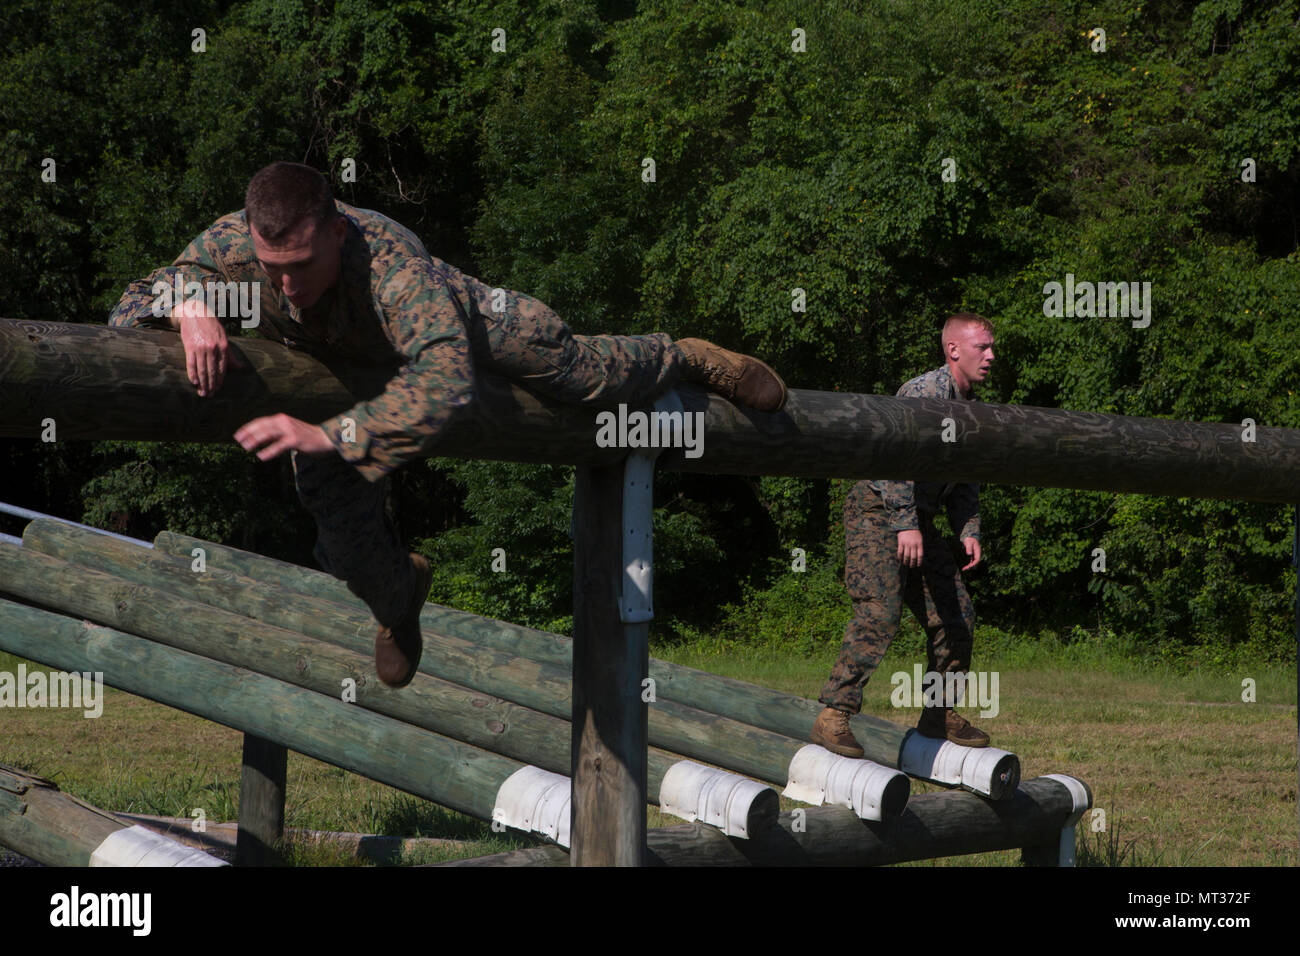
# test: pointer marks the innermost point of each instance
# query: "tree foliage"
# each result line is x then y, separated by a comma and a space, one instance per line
775, 169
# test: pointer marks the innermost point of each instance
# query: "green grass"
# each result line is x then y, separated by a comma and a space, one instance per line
1186, 772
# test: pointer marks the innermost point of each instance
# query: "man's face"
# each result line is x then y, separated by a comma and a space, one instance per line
304, 262
970, 350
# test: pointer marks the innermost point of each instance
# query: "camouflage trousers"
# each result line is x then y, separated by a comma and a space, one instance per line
879, 584
357, 540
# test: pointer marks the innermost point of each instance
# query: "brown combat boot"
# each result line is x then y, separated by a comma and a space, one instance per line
398, 648
944, 723
832, 731
732, 375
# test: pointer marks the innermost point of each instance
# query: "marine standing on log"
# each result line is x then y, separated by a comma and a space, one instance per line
355, 284
895, 554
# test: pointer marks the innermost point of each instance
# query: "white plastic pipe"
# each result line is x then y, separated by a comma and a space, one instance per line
1082, 802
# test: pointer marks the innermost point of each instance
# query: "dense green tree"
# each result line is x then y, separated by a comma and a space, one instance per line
894, 161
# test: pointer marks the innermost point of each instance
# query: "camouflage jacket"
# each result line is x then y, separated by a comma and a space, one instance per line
905, 499
394, 306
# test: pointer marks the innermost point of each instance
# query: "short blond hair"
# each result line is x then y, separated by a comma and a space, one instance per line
963, 319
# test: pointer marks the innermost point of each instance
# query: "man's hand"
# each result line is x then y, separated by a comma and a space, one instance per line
910, 548
273, 435
207, 350
972, 552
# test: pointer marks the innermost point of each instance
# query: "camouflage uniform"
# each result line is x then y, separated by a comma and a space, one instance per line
398, 307
879, 583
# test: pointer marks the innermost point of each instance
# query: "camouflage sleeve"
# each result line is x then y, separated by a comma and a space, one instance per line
964, 511
148, 301
403, 423
900, 504
899, 496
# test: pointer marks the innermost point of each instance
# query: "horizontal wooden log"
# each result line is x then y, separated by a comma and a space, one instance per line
96, 382
674, 727
934, 825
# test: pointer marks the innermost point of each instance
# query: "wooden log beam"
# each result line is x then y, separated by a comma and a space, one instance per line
933, 825
742, 705
49, 826
675, 726
321, 726
180, 621
95, 383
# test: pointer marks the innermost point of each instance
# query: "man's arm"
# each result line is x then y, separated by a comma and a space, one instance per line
426, 321
152, 302
900, 498
964, 517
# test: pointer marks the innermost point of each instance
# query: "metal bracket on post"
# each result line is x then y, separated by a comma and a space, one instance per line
1082, 801
636, 601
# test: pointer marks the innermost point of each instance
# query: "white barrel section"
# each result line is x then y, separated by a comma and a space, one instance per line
720, 798
537, 801
982, 770
136, 846
818, 776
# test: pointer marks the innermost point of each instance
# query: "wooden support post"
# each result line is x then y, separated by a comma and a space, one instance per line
609, 663
261, 802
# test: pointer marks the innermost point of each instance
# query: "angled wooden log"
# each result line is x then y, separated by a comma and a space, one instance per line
454, 711
171, 583
96, 382
418, 761
45, 824
742, 705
